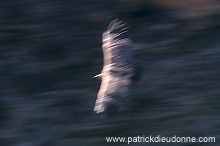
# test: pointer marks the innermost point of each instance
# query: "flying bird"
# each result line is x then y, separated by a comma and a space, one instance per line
119, 70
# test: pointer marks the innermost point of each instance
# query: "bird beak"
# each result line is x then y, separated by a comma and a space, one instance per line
97, 76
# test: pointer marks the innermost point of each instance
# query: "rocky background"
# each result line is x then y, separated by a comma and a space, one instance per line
51, 49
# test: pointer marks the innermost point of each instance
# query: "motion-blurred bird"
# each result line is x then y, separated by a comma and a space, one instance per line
119, 69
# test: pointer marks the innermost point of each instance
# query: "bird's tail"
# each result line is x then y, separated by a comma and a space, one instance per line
107, 108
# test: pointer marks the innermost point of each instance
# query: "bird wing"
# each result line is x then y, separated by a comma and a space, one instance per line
117, 69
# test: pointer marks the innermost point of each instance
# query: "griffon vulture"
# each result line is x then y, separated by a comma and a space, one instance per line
119, 69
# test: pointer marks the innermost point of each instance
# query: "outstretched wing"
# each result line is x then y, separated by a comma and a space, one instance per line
118, 69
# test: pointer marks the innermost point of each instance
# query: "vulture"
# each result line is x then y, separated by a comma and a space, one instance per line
119, 69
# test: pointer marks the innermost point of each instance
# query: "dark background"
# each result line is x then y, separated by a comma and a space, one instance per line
51, 49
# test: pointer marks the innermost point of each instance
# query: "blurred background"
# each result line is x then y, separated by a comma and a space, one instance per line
51, 49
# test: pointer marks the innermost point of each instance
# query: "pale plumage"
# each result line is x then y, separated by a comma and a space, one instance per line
119, 69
